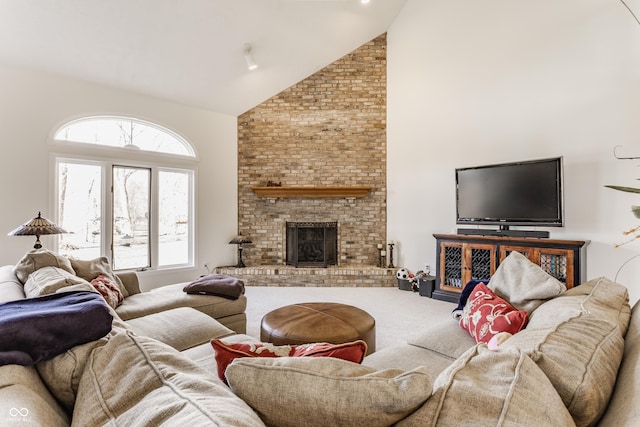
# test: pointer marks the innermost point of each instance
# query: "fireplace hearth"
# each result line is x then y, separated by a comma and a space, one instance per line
312, 244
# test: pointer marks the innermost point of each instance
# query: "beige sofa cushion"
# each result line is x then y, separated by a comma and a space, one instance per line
299, 391
600, 297
130, 281
172, 296
90, 269
62, 373
407, 357
623, 408
194, 328
135, 380
580, 356
25, 400
491, 388
37, 259
524, 284
576, 339
446, 338
48, 280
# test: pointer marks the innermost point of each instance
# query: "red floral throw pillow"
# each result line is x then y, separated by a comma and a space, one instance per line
486, 315
109, 290
226, 353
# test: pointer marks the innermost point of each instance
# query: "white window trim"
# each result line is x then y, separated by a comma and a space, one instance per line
106, 156
77, 146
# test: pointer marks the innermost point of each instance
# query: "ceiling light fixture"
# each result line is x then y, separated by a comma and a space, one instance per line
364, 1
246, 50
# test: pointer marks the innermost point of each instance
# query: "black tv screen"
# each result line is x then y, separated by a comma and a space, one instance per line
517, 193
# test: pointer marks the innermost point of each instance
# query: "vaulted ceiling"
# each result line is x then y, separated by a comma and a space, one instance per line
189, 51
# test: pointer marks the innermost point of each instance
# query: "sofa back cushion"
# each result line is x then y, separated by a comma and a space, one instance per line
581, 358
623, 408
62, 373
37, 259
130, 281
325, 391
136, 380
90, 269
600, 297
577, 341
498, 388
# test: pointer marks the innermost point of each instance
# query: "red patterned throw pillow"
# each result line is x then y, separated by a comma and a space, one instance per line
225, 353
486, 315
108, 289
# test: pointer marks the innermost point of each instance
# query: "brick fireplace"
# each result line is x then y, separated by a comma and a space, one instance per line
328, 130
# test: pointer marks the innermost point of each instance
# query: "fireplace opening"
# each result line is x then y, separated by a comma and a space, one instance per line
312, 244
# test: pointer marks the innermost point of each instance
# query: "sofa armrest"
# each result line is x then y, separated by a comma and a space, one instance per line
10, 287
130, 281
25, 399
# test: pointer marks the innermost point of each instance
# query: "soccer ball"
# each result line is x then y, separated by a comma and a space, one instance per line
403, 274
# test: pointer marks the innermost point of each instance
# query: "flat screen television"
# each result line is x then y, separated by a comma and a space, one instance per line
526, 193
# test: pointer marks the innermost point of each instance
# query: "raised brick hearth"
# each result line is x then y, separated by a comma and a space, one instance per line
283, 275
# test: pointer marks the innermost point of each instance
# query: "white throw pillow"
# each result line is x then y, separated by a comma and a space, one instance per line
524, 284
37, 259
48, 280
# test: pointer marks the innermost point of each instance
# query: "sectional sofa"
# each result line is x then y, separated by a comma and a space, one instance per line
575, 363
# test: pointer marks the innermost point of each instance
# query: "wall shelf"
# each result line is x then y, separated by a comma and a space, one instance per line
312, 192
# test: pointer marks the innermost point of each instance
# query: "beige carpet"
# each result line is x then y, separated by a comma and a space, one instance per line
398, 314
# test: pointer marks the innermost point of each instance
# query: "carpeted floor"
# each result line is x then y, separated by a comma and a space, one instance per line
398, 313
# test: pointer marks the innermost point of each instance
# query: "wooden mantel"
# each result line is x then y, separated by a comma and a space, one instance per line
312, 192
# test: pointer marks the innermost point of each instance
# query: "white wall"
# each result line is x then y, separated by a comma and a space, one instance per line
33, 104
474, 83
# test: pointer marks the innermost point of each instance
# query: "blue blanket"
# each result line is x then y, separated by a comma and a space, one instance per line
464, 296
36, 329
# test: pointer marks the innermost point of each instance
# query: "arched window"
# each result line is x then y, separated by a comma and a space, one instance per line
138, 210
124, 132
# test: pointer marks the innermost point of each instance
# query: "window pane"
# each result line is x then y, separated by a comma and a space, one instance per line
131, 196
124, 132
174, 218
79, 209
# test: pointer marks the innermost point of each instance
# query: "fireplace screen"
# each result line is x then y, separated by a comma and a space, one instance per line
312, 244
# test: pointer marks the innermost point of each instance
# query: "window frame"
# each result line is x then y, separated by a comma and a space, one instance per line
151, 207
107, 157
158, 127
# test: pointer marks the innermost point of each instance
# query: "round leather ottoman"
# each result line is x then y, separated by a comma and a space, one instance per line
318, 322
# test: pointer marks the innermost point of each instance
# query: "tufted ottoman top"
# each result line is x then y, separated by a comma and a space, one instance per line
318, 322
